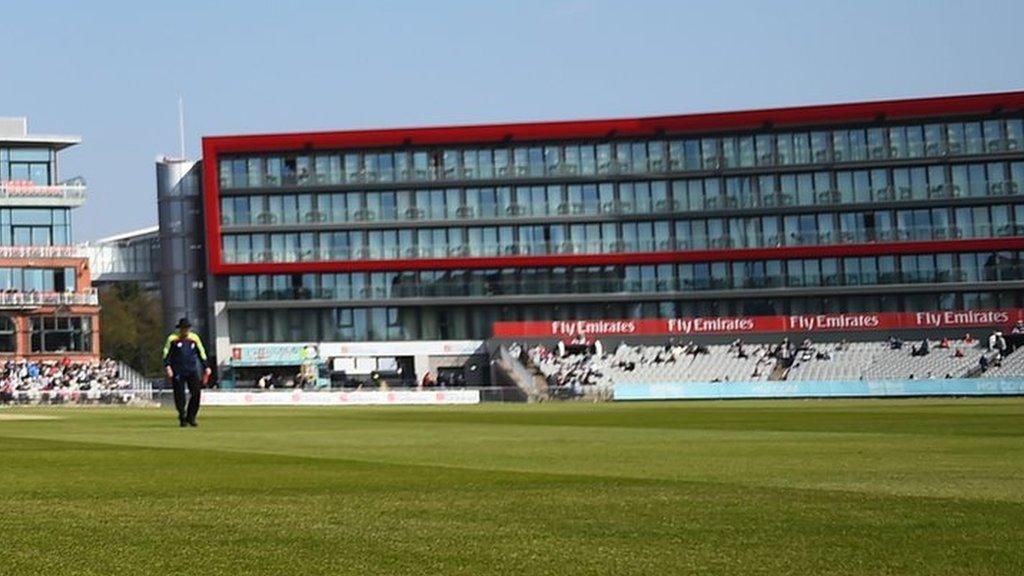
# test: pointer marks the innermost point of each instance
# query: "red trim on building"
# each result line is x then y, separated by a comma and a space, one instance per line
213, 147
211, 206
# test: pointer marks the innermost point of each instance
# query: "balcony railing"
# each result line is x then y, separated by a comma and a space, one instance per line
15, 252
22, 189
31, 298
738, 240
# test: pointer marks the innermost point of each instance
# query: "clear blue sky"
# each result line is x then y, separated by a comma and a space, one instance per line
111, 71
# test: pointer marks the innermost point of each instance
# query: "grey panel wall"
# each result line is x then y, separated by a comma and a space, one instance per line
182, 267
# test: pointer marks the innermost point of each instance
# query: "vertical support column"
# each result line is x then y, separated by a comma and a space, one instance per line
22, 335
222, 329
96, 335
421, 364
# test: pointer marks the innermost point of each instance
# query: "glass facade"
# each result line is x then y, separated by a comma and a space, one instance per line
35, 226
696, 154
38, 279
662, 235
23, 165
55, 334
755, 211
8, 335
824, 188
927, 268
939, 180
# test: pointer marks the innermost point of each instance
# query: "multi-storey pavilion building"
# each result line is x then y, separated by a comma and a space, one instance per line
48, 309
427, 236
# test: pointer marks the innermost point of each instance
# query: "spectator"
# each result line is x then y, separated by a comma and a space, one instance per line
428, 380
57, 381
921, 349
741, 353
784, 351
997, 342
515, 350
571, 374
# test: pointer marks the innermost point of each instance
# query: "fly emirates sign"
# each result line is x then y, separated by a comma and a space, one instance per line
570, 328
821, 322
805, 323
710, 325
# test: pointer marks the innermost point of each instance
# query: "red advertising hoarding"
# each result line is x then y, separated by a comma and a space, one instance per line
739, 325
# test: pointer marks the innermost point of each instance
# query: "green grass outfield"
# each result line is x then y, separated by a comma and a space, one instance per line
866, 487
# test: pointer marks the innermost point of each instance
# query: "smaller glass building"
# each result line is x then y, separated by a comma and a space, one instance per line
48, 309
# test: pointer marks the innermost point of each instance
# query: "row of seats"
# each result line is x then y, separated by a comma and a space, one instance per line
648, 364
755, 363
1011, 366
880, 361
718, 363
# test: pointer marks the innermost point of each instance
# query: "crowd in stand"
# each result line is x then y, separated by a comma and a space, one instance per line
671, 353
807, 350
763, 353
990, 355
576, 364
676, 352
998, 346
273, 381
572, 367
59, 381
573, 373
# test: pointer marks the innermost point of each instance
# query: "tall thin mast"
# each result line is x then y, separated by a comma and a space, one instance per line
181, 126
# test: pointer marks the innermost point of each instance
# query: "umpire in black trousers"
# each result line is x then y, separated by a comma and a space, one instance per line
184, 355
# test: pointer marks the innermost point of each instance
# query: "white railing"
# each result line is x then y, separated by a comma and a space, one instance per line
28, 189
43, 252
521, 375
142, 386
89, 298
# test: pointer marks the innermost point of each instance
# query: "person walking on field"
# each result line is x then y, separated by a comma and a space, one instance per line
183, 355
